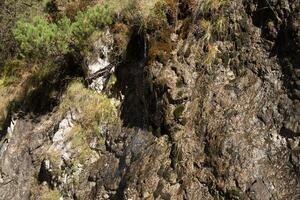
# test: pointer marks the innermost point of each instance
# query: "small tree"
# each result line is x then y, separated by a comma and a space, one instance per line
36, 38
94, 18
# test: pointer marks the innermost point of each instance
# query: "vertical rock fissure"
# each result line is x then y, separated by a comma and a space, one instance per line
134, 84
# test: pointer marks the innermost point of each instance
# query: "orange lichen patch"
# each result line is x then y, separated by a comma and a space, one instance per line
159, 51
160, 47
171, 3
121, 34
156, 24
119, 27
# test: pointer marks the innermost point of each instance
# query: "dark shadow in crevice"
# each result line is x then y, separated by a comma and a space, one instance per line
45, 175
287, 133
284, 37
48, 86
263, 14
51, 86
286, 49
135, 84
132, 83
143, 105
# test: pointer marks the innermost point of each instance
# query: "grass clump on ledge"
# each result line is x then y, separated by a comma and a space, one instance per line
93, 109
213, 24
93, 113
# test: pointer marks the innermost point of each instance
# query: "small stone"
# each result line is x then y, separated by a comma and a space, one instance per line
259, 191
146, 195
174, 37
173, 178
297, 72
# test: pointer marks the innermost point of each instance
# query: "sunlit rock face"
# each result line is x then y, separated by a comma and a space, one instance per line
11, 127
100, 59
60, 143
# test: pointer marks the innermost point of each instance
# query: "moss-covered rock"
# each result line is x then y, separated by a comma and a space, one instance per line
178, 111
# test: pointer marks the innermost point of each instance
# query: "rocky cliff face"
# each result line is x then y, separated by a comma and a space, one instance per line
199, 119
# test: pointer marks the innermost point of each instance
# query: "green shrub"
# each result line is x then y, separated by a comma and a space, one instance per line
39, 38
178, 111
90, 20
64, 35
11, 72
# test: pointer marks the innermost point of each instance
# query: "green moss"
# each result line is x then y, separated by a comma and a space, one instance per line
178, 111
80, 137
244, 25
235, 193
183, 121
180, 83
101, 141
180, 93
96, 110
225, 59
111, 84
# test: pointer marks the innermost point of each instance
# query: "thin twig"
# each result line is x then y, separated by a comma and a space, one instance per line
102, 72
274, 12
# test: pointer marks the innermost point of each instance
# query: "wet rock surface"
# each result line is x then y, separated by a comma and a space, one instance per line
229, 130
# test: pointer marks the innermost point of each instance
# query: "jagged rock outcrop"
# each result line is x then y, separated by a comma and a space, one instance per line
201, 120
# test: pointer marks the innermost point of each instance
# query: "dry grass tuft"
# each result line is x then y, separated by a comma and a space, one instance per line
211, 54
206, 6
94, 109
48, 194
